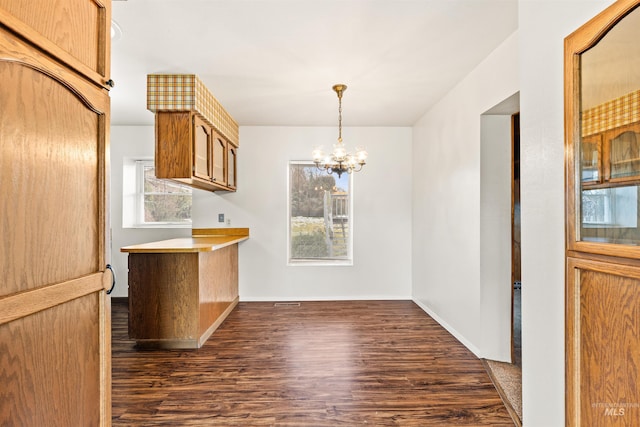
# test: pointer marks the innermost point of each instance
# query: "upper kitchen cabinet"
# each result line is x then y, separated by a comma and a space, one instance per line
83, 44
624, 150
610, 145
196, 139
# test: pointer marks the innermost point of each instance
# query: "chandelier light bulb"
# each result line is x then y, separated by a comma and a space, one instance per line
318, 155
339, 152
362, 155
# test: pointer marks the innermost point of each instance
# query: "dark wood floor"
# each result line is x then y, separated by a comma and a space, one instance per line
377, 363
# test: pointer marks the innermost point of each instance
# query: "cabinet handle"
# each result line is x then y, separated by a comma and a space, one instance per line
110, 83
113, 278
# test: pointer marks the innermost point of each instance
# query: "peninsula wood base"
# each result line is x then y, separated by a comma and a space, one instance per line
177, 300
171, 343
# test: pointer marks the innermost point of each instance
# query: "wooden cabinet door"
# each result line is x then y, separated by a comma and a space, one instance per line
591, 159
231, 166
75, 31
219, 160
201, 149
55, 338
603, 339
623, 148
603, 220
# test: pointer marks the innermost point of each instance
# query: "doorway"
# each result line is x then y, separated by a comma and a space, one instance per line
516, 277
500, 278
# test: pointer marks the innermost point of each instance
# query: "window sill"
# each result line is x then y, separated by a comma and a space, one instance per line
152, 226
320, 263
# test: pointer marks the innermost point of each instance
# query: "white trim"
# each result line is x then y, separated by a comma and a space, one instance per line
138, 215
449, 328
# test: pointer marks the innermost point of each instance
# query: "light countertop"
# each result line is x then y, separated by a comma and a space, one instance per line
202, 240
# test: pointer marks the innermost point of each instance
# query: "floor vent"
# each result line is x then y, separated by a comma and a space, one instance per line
287, 304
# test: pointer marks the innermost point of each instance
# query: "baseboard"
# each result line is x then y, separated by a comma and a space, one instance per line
325, 298
472, 348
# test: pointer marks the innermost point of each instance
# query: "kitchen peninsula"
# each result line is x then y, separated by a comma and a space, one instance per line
181, 290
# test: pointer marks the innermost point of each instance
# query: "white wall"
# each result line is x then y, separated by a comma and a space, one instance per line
495, 236
381, 216
446, 196
543, 25
132, 142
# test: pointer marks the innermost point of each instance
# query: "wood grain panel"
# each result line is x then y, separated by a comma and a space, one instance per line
26, 303
603, 348
74, 31
226, 231
50, 366
163, 296
332, 363
219, 159
174, 150
218, 271
49, 180
610, 347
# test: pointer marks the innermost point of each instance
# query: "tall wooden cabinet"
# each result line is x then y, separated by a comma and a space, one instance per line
55, 346
602, 129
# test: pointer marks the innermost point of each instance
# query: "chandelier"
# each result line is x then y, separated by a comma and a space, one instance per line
340, 161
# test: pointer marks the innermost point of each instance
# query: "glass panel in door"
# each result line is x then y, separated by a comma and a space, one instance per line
609, 148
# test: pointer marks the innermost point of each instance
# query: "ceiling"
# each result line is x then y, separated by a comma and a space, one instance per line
273, 62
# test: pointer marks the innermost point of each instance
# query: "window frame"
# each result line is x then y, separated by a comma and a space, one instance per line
139, 215
320, 261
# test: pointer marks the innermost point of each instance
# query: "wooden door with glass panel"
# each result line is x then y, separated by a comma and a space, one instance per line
602, 130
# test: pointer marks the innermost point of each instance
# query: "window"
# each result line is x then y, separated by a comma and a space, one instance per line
320, 225
610, 207
159, 202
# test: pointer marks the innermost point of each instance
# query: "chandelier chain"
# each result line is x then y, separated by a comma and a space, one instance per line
340, 118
